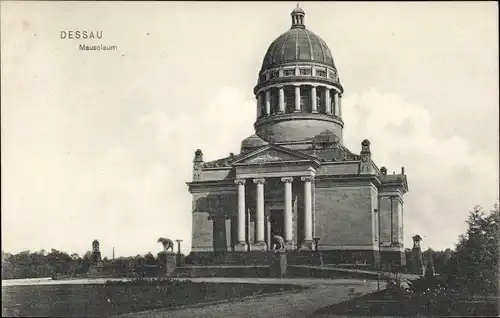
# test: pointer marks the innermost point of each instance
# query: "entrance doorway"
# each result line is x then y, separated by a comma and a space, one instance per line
277, 220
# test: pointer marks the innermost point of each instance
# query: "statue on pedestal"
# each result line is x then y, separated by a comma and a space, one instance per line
96, 264
279, 263
96, 254
278, 244
168, 244
167, 260
417, 263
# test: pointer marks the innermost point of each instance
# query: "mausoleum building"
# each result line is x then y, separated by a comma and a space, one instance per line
295, 177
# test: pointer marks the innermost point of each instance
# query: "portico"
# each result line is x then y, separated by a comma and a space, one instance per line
252, 173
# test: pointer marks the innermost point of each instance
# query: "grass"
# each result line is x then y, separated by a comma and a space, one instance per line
386, 303
119, 298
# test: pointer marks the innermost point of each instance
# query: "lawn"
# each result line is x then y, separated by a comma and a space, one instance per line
386, 303
120, 298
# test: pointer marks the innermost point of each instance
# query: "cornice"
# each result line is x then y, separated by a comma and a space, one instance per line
299, 63
297, 116
301, 156
315, 163
300, 79
400, 185
216, 168
346, 179
219, 186
332, 163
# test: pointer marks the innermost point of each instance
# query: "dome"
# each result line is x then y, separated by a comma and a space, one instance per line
252, 142
298, 10
297, 45
298, 91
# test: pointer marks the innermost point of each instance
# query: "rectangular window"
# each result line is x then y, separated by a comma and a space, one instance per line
319, 103
320, 73
290, 99
305, 71
274, 102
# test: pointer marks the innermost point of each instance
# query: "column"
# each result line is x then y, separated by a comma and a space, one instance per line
307, 212
260, 244
328, 102
336, 104
241, 244
297, 98
392, 219
288, 209
313, 208
314, 100
340, 105
282, 99
268, 103
259, 106
268, 232
229, 239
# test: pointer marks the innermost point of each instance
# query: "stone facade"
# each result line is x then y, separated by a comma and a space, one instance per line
295, 178
344, 205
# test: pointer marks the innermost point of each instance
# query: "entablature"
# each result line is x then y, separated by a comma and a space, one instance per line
298, 116
221, 186
274, 171
398, 183
339, 168
352, 180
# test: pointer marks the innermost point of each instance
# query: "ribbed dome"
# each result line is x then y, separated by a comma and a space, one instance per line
297, 44
298, 88
251, 142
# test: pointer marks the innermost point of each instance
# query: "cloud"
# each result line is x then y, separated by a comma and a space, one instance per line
127, 194
446, 177
152, 177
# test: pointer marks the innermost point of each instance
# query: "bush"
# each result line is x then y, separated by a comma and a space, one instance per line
473, 268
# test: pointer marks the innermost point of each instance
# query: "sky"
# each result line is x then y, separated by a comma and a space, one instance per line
100, 144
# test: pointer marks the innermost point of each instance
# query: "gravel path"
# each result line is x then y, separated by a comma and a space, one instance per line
323, 292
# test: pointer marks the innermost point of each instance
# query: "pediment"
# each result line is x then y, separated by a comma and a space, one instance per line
273, 154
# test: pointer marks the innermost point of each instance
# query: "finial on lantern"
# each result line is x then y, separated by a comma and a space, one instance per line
298, 17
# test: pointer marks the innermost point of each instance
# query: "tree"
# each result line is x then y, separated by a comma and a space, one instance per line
59, 261
149, 259
474, 265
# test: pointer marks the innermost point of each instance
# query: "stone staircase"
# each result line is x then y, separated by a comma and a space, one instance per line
259, 258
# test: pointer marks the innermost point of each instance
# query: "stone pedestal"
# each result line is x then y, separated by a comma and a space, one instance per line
95, 269
168, 261
259, 246
241, 247
416, 262
307, 246
279, 264
290, 246
181, 260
